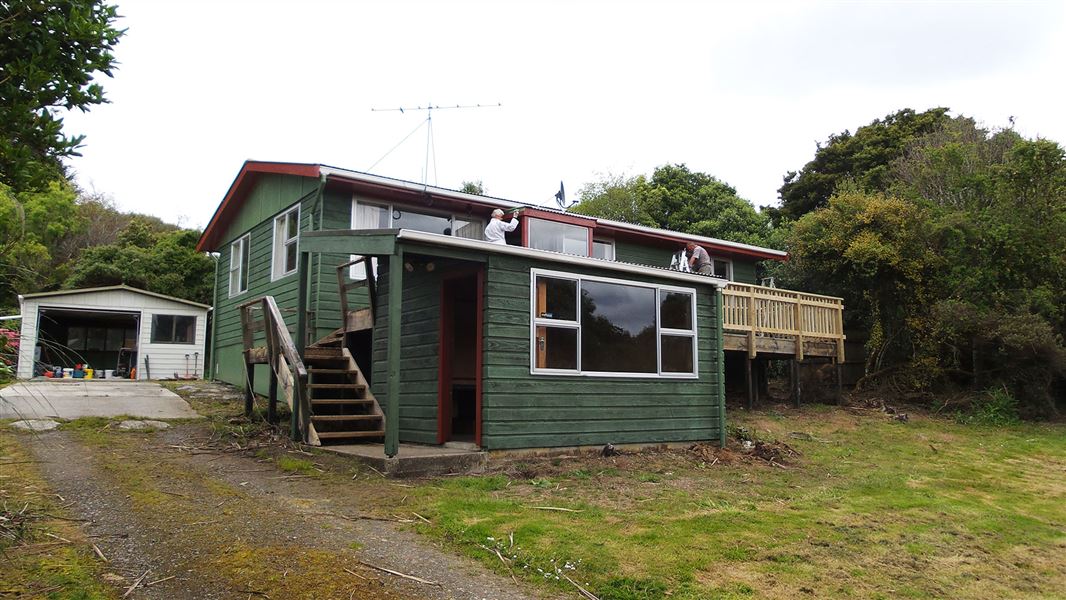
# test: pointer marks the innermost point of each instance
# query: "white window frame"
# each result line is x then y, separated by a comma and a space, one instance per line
610, 244
535, 321
243, 243
531, 222
280, 244
358, 272
729, 267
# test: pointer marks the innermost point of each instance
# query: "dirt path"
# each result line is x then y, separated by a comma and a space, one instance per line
226, 525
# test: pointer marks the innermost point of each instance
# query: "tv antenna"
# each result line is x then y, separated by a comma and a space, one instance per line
428, 123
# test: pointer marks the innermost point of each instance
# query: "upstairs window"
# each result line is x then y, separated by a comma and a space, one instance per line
286, 243
558, 237
389, 216
173, 329
603, 249
238, 266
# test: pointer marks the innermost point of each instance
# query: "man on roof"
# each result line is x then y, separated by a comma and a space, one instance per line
497, 228
698, 259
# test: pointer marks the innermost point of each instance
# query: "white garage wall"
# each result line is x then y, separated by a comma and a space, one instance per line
165, 359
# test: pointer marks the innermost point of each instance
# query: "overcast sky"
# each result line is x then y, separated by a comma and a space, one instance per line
742, 91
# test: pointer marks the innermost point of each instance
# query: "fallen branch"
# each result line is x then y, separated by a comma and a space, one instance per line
151, 583
399, 574
572, 510
99, 553
587, 594
423, 518
136, 583
351, 572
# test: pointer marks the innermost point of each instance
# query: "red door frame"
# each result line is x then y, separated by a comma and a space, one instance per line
444, 373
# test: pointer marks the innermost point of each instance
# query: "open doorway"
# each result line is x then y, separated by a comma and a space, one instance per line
67, 337
459, 395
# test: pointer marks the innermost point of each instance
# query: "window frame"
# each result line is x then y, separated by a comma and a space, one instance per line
280, 244
244, 242
608, 242
532, 221
173, 330
357, 272
660, 331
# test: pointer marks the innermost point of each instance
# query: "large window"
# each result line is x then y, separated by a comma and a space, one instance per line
238, 266
286, 243
387, 216
173, 329
597, 326
558, 237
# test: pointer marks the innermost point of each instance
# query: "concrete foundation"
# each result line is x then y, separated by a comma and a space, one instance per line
414, 460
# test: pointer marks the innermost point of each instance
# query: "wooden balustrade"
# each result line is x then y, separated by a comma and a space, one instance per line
762, 311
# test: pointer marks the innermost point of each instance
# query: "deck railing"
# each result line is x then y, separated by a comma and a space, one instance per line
764, 311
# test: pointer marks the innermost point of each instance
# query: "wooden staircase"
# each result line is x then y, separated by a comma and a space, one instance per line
343, 409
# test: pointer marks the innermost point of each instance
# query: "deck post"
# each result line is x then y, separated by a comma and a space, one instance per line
298, 432
840, 381
748, 379
794, 380
395, 308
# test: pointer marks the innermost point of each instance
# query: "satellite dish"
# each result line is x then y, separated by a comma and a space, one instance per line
560, 197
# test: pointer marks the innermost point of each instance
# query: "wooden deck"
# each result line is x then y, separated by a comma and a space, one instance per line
783, 323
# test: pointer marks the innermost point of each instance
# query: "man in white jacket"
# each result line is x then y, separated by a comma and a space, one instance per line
497, 227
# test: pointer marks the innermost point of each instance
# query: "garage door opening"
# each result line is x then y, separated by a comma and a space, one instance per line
94, 338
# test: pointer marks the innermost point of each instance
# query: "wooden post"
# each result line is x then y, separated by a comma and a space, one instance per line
298, 431
794, 379
840, 383
752, 321
719, 355
272, 365
395, 308
751, 388
249, 392
799, 328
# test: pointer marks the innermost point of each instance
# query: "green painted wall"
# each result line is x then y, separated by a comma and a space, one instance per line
272, 195
419, 360
743, 270
522, 410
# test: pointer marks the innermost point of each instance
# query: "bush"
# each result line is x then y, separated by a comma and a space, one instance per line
996, 407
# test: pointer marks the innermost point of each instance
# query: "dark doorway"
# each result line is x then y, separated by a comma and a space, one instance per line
93, 338
459, 396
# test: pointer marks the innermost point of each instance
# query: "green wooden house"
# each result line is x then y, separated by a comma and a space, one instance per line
377, 310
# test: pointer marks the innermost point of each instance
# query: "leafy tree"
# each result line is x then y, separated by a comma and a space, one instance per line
50, 51
31, 224
617, 198
166, 263
678, 199
473, 187
865, 157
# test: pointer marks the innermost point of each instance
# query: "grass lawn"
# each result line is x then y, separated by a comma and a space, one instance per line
872, 508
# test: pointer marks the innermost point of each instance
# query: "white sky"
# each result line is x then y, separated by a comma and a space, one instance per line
738, 90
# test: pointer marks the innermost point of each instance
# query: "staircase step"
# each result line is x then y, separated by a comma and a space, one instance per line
333, 435
336, 386
346, 418
325, 401
329, 371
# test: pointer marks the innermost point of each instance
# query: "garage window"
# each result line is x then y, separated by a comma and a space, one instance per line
173, 329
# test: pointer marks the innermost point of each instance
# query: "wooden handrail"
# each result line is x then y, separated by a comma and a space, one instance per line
758, 310
370, 282
281, 353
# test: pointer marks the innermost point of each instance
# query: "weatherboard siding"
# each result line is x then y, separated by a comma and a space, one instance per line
524, 410
420, 356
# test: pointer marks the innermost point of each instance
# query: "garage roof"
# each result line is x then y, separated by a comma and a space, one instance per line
111, 288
